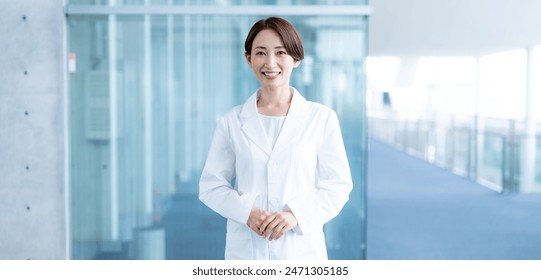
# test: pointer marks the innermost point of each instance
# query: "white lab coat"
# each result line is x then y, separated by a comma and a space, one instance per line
307, 172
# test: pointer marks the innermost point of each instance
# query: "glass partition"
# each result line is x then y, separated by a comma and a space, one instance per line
144, 100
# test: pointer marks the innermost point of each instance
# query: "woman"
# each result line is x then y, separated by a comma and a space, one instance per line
285, 154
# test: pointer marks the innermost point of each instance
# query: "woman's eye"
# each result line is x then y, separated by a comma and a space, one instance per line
259, 53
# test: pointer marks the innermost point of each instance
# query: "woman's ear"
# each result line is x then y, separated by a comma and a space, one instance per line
247, 56
296, 63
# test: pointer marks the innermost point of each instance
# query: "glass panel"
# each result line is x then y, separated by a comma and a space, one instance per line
491, 161
144, 102
462, 149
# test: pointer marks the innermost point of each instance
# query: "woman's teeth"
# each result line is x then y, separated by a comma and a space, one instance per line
271, 74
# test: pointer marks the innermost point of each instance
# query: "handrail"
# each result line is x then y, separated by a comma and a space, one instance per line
489, 155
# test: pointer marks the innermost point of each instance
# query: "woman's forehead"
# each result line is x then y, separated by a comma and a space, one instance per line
267, 37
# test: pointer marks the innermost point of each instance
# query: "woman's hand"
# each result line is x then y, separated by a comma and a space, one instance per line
277, 224
256, 218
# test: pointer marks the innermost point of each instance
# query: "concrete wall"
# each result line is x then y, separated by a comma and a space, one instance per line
32, 130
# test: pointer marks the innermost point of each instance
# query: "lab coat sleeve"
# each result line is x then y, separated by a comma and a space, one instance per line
333, 185
215, 189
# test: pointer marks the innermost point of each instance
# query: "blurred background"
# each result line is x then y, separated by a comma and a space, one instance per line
107, 109
457, 83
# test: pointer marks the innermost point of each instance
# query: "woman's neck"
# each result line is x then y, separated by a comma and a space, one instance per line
274, 101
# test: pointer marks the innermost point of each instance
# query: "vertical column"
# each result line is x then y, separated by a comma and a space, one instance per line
147, 97
474, 148
198, 102
113, 119
479, 125
149, 239
187, 96
170, 103
527, 174
66, 138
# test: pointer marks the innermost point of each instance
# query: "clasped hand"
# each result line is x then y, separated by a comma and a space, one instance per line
267, 224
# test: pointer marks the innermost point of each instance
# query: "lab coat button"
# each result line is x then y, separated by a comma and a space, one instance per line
274, 202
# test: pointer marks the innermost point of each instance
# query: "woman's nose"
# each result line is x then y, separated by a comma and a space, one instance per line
270, 61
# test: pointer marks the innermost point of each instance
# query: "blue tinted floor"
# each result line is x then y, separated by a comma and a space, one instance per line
420, 211
193, 231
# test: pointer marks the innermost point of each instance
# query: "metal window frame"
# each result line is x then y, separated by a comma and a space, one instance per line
298, 10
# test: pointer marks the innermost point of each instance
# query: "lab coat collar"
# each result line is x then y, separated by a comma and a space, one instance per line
295, 119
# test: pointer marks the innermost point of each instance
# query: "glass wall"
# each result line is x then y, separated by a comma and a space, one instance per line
144, 100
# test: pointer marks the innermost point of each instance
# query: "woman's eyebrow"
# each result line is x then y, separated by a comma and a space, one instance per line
260, 47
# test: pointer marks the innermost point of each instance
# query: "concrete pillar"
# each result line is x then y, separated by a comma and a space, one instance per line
33, 131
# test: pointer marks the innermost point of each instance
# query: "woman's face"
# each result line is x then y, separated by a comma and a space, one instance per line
269, 60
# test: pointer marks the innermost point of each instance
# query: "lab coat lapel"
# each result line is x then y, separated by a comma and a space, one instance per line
251, 126
294, 122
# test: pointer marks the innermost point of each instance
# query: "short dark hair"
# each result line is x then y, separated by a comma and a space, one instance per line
289, 35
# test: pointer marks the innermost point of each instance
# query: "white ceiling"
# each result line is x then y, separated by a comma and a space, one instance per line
452, 27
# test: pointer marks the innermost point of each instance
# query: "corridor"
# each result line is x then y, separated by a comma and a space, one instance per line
419, 211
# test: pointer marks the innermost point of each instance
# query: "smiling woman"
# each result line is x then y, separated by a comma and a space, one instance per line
285, 154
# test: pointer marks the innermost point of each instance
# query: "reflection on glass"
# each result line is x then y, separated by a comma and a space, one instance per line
144, 103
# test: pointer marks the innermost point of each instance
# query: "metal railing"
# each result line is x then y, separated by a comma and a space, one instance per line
488, 151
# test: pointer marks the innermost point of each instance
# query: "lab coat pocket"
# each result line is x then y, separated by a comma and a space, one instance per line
238, 242
311, 246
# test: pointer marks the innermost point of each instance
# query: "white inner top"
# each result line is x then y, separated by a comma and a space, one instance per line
272, 126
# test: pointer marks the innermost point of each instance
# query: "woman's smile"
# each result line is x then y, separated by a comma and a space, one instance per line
271, 74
